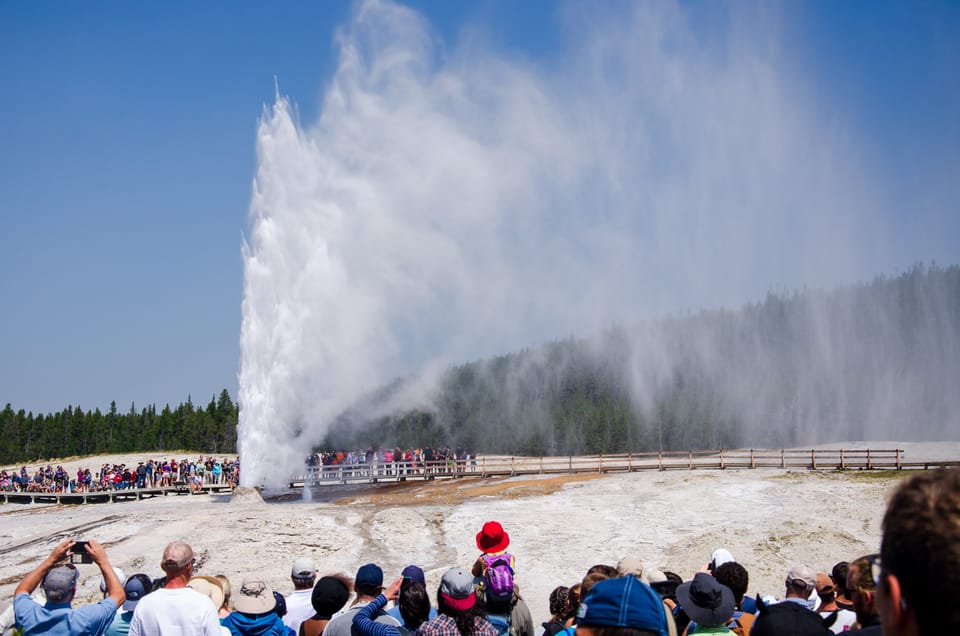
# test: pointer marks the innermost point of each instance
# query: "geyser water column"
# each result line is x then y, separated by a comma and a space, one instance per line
280, 262
389, 237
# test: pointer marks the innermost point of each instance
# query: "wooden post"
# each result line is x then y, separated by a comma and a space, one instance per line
629, 462
782, 464
899, 466
690, 457
813, 459
869, 463
660, 459
843, 465
753, 463
721, 459
541, 464
570, 464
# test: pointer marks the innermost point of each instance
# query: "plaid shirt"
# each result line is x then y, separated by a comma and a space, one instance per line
443, 625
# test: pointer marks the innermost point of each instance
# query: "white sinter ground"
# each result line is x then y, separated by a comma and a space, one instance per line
768, 518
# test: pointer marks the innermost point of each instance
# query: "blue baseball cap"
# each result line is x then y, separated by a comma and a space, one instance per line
623, 602
134, 590
369, 575
412, 574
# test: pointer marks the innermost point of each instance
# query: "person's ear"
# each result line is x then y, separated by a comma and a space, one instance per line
896, 605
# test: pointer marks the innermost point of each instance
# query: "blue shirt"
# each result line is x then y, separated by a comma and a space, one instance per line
395, 612
120, 625
268, 624
59, 619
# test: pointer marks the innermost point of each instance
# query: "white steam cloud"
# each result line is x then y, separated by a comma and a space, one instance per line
451, 204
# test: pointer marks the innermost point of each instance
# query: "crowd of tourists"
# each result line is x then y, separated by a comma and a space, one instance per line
902, 590
390, 462
193, 474
153, 473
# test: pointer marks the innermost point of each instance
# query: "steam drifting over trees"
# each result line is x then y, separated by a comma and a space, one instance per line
876, 360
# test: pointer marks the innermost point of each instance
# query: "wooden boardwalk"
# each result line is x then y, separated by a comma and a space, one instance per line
108, 496
499, 466
840, 459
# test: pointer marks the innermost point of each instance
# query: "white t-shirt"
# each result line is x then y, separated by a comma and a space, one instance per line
178, 612
299, 608
845, 620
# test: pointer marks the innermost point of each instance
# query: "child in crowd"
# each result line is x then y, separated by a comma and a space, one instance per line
495, 566
493, 542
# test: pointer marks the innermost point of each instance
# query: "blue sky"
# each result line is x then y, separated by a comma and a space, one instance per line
127, 135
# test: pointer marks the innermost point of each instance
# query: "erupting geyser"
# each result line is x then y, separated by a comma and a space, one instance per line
451, 203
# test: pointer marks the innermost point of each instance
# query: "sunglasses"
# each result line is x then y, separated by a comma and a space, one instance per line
876, 568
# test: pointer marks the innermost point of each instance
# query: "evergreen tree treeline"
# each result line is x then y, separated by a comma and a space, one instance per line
27, 437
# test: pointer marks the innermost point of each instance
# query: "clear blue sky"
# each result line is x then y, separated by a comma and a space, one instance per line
127, 136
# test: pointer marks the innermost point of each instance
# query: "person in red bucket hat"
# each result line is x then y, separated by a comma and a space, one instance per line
493, 541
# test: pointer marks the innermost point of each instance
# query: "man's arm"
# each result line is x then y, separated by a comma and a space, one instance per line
114, 586
33, 579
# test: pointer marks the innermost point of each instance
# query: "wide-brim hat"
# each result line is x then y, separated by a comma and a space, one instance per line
254, 597
492, 538
209, 587
706, 601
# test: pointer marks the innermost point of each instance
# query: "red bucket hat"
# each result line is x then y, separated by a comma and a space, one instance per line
492, 538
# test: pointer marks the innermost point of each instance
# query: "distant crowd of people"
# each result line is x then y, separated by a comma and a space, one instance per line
390, 462
904, 590
149, 474
193, 474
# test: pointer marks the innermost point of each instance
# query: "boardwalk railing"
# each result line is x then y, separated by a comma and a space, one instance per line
109, 496
496, 466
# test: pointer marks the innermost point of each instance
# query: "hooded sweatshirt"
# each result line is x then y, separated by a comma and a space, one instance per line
268, 624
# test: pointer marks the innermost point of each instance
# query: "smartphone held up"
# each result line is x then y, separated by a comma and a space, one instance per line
79, 553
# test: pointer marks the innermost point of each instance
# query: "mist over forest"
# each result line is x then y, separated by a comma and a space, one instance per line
870, 361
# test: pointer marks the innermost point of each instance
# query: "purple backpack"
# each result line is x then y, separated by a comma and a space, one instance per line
498, 576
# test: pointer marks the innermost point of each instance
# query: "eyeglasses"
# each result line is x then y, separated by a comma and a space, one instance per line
876, 568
